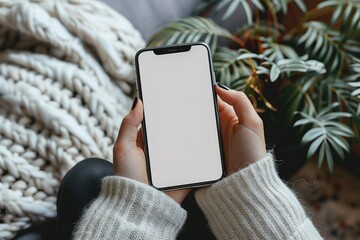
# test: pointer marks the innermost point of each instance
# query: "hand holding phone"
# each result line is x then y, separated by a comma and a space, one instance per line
128, 155
242, 130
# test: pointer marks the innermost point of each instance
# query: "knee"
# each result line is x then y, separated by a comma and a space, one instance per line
80, 186
88, 172
90, 168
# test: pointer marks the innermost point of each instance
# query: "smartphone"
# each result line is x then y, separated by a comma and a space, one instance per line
181, 129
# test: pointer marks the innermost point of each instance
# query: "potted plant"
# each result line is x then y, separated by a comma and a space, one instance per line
298, 64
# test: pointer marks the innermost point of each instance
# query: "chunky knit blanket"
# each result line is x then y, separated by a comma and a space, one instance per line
66, 70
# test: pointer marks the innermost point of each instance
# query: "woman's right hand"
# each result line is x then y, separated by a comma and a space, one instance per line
241, 128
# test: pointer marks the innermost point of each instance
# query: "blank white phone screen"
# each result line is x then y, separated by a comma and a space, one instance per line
182, 136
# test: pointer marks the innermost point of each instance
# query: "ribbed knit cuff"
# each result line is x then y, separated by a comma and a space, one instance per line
127, 209
254, 203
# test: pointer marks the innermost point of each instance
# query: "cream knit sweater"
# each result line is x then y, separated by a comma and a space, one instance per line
253, 203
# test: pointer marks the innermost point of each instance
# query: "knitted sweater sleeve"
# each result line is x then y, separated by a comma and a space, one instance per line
254, 203
126, 209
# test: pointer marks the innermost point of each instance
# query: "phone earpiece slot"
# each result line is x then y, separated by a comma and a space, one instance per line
174, 49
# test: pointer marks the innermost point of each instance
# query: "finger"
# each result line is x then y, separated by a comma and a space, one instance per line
129, 127
224, 108
221, 105
239, 101
140, 139
226, 114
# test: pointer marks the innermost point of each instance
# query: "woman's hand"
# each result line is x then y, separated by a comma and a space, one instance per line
129, 158
241, 128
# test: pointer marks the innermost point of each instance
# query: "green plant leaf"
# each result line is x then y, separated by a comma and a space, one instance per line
301, 5
307, 83
321, 155
323, 44
258, 5
328, 3
229, 68
340, 128
336, 147
347, 13
246, 55
326, 134
312, 134
277, 51
340, 142
342, 90
314, 146
190, 30
336, 115
232, 5
329, 157
339, 132
274, 73
231, 9
303, 121
301, 66
290, 98
282, 5
337, 13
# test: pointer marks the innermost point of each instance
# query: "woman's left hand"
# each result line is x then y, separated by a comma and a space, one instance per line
129, 158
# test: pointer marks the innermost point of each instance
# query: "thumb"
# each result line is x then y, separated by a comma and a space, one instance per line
240, 102
129, 126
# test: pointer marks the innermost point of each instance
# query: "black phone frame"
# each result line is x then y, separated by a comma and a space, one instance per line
169, 50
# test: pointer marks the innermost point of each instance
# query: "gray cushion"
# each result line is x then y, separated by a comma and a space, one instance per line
148, 16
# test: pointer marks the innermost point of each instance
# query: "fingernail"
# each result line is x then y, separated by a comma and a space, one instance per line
223, 86
134, 103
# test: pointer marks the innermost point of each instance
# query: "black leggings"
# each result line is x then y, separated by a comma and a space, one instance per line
82, 184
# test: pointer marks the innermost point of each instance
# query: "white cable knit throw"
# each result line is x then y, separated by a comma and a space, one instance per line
65, 70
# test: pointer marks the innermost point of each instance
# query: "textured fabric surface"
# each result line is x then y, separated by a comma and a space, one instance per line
126, 209
253, 203
66, 68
